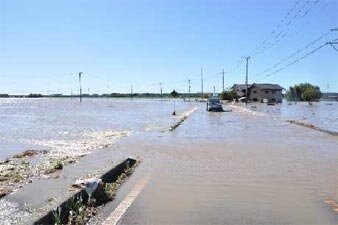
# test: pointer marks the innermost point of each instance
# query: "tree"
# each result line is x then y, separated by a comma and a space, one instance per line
304, 92
174, 94
310, 94
228, 95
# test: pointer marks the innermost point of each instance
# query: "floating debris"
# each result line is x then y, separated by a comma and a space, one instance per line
29, 153
332, 203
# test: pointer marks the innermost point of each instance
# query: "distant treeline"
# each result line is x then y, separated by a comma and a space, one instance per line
112, 95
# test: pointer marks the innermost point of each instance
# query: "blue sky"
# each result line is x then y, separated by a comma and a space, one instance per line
44, 44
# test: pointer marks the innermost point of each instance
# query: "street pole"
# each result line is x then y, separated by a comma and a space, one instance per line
80, 86
214, 90
223, 79
189, 88
131, 92
161, 88
246, 79
201, 84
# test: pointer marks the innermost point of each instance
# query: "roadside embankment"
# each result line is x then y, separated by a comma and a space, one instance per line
20, 169
313, 127
181, 118
95, 192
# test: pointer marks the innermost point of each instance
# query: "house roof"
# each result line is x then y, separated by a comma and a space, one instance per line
240, 86
261, 86
268, 86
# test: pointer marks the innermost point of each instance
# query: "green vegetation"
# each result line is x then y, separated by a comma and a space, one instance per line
228, 95
174, 94
58, 165
58, 218
79, 211
304, 92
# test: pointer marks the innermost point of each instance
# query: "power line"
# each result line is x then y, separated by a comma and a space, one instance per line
294, 61
332, 45
301, 13
293, 54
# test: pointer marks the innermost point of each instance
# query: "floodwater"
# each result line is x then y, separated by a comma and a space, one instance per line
247, 166
56, 124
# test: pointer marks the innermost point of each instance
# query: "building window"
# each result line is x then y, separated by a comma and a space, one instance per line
254, 92
266, 92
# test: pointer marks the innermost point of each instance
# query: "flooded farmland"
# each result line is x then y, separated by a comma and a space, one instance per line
248, 166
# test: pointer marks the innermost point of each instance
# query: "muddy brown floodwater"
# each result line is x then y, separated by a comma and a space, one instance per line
239, 167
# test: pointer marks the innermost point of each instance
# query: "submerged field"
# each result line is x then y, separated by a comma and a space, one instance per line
248, 166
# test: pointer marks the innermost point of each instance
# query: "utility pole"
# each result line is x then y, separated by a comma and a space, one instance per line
189, 82
161, 88
214, 90
223, 79
246, 79
201, 84
80, 86
131, 92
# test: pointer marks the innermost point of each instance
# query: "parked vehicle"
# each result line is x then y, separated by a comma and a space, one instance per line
214, 104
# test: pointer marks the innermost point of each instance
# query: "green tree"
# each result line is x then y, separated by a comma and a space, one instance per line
174, 94
228, 95
304, 92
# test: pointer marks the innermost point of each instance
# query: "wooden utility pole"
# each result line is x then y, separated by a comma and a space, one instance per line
131, 92
201, 84
189, 82
160, 88
80, 86
246, 79
223, 79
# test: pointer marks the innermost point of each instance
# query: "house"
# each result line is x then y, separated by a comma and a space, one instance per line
240, 89
260, 92
330, 96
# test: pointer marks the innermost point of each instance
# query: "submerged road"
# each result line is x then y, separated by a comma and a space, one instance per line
233, 168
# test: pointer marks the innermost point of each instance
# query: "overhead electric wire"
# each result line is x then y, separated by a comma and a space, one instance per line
301, 13
293, 54
294, 61
332, 43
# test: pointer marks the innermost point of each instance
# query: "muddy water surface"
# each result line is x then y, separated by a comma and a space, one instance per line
215, 168
238, 168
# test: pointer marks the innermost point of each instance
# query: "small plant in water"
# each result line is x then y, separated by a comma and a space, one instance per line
110, 189
59, 165
58, 219
75, 206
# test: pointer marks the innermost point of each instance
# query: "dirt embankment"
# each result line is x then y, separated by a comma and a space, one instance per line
182, 118
313, 127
